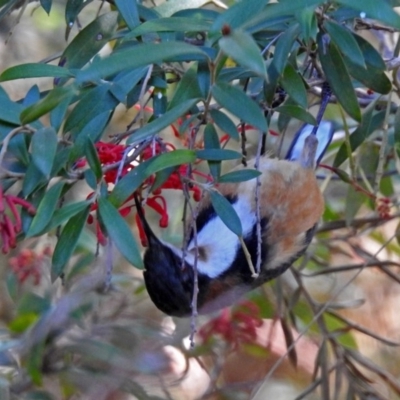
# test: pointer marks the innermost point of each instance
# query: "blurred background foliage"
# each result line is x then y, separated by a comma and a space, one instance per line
92, 91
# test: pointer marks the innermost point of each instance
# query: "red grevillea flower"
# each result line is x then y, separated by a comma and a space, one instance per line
27, 264
235, 327
110, 153
10, 219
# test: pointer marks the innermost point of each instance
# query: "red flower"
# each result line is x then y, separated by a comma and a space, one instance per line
235, 327
27, 264
10, 219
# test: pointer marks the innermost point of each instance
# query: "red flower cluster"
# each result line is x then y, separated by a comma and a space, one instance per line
110, 153
236, 326
383, 207
28, 264
10, 219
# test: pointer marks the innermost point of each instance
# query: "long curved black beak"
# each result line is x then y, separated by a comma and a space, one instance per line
151, 237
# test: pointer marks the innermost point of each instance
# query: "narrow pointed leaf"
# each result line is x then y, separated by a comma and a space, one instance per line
218, 154
226, 212
48, 103
171, 159
298, 113
368, 125
90, 41
236, 102
43, 149
239, 176
129, 183
242, 48
66, 212
129, 12
171, 24
119, 232
283, 47
162, 122
45, 210
67, 242
380, 10
225, 124
187, 89
33, 70
140, 56
346, 42
211, 142
294, 86
93, 158
338, 77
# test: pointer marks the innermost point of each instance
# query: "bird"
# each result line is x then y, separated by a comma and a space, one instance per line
290, 206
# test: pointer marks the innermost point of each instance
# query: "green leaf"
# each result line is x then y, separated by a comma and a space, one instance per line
129, 12
67, 242
242, 48
238, 14
338, 77
139, 56
282, 9
155, 126
239, 176
298, 113
345, 41
9, 110
308, 22
43, 149
46, 5
372, 57
48, 103
172, 6
170, 24
34, 365
72, 9
218, 154
294, 86
65, 213
354, 200
203, 77
170, 159
32, 303
372, 77
90, 41
33, 70
225, 123
236, 102
119, 232
211, 141
96, 101
368, 125
129, 183
125, 82
187, 89
45, 210
284, 46
380, 10
226, 212
32, 180
93, 158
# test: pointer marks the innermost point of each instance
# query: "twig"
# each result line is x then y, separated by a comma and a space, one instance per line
6, 141
318, 314
141, 95
257, 198
382, 150
247, 254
